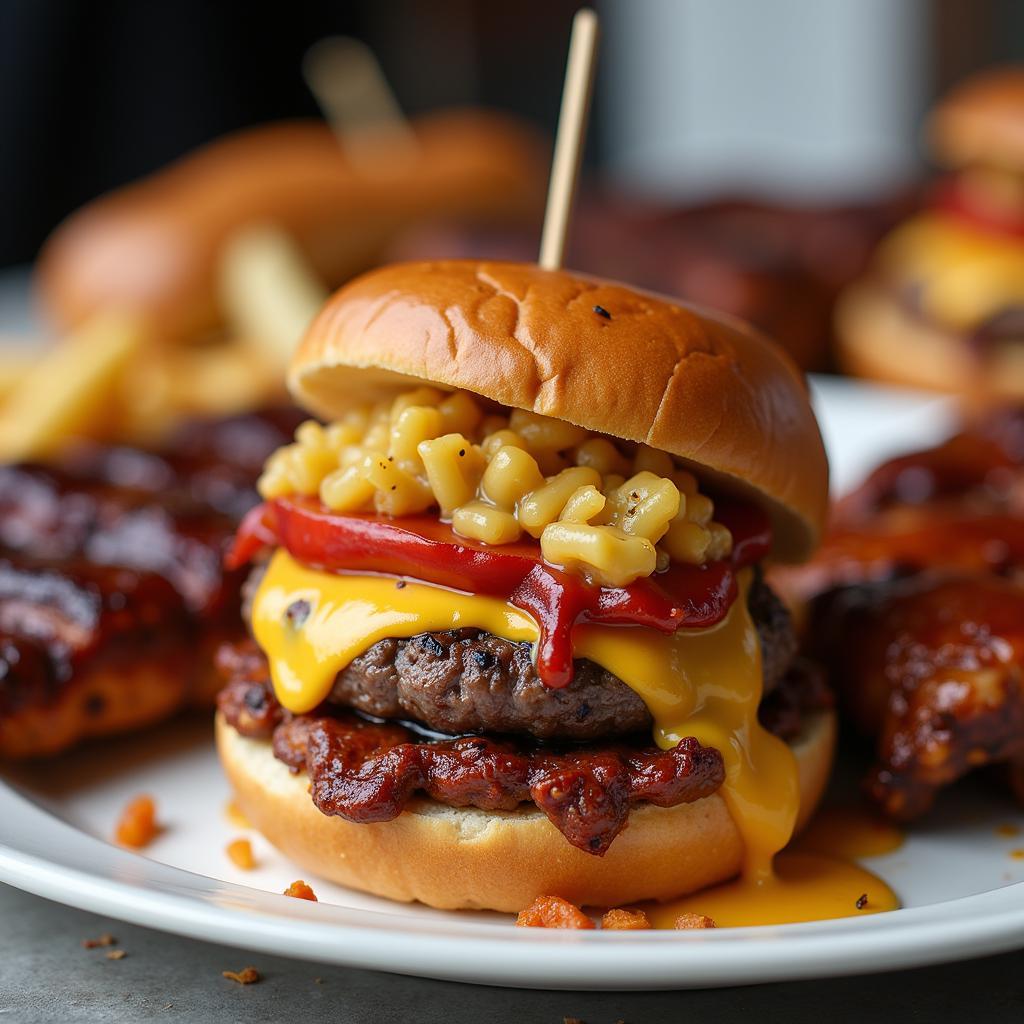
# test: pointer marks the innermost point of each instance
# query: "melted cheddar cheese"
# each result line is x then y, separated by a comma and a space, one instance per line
703, 683
965, 275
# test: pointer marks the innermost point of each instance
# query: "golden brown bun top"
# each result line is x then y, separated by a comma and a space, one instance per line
982, 121
704, 388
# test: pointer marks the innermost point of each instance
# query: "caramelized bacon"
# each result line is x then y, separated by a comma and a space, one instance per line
367, 770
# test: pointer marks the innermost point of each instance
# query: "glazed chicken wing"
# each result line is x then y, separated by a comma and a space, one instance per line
933, 666
915, 602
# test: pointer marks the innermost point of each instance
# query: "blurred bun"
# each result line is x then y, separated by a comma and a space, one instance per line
879, 339
154, 245
981, 121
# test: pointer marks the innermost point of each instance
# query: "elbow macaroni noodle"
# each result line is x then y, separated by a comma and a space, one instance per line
610, 514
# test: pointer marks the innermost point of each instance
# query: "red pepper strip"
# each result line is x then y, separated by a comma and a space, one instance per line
423, 548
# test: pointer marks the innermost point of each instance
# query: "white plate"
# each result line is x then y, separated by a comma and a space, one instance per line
961, 889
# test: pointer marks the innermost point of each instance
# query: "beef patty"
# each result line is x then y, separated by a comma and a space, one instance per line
469, 681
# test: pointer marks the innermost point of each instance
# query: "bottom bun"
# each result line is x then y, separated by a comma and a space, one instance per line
464, 858
880, 340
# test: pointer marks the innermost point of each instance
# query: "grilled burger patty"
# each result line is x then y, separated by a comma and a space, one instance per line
468, 681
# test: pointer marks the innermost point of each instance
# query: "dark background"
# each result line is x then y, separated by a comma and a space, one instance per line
94, 93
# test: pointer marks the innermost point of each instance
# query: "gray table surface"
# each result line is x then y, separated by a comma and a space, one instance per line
46, 975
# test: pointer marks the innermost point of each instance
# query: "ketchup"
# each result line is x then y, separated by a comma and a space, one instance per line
422, 547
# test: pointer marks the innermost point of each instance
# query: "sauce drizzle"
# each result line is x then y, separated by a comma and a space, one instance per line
423, 548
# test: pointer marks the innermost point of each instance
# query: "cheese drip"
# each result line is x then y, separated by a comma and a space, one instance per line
703, 683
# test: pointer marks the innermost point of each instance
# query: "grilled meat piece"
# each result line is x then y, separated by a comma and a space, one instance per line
465, 681
933, 667
87, 650
915, 604
367, 770
47, 513
112, 594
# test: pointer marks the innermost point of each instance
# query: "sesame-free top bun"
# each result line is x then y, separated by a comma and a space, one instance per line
465, 858
595, 353
982, 121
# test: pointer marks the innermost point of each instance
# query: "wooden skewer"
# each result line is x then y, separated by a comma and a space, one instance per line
353, 93
572, 132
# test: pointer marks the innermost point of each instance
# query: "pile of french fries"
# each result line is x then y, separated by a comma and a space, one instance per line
109, 380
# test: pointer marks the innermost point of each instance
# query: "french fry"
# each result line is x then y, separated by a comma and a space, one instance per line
268, 290
173, 383
68, 391
15, 362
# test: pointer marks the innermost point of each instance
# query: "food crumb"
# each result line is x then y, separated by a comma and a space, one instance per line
625, 920
1007, 830
239, 852
1017, 854
246, 976
300, 891
235, 815
137, 827
552, 912
106, 939
687, 922
116, 954
318, 981
862, 901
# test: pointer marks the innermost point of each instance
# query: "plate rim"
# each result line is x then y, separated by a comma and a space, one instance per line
130, 887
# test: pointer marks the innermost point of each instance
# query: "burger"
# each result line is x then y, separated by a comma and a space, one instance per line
943, 304
510, 634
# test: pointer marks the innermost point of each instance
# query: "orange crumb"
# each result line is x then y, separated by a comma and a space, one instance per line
1017, 854
106, 939
625, 920
240, 853
137, 827
552, 912
685, 922
116, 954
1007, 831
246, 976
300, 891
235, 815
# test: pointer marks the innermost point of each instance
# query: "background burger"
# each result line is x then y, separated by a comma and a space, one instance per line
510, 634
944, 304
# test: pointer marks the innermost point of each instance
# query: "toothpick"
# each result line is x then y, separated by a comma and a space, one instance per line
349, 85
572, 131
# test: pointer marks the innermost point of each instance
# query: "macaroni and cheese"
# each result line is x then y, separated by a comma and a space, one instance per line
610, 511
